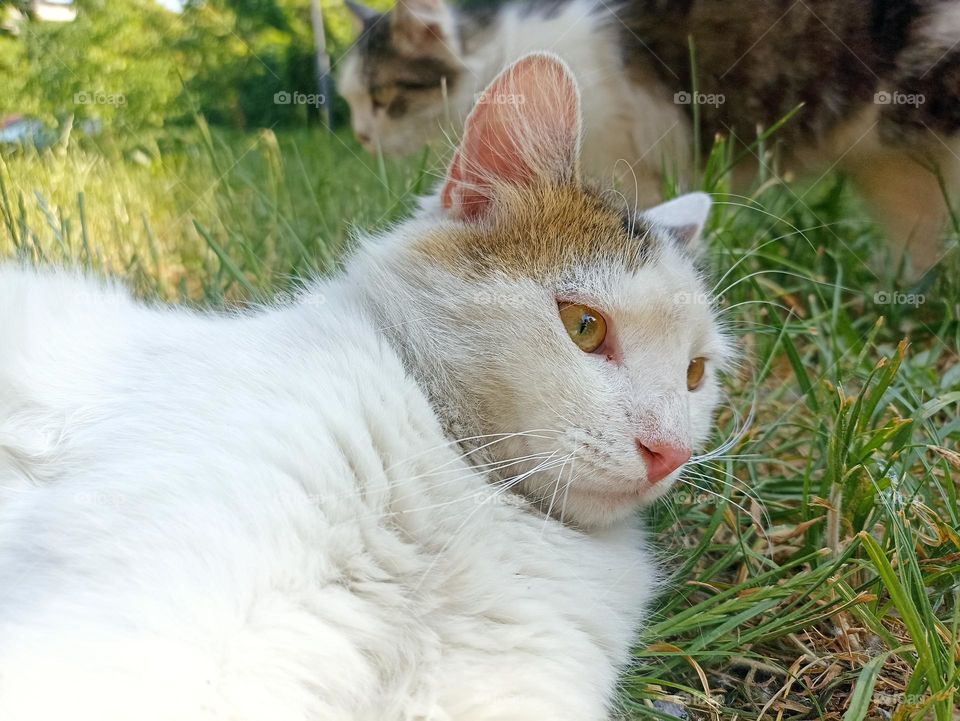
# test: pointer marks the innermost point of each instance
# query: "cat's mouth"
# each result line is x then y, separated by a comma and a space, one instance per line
639, 493
619, 489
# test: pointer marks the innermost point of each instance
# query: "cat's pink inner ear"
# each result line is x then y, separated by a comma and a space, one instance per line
525, 128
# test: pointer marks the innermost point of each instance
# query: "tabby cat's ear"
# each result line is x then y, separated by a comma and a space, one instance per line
424, 27
361, 15
524, 129
682, 218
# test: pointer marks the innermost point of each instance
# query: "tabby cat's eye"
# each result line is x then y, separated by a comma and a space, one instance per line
585, 326
695, 373
381, 96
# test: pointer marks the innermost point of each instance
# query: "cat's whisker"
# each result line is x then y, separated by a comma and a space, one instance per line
710, 492
765, 516
563, 417
734, 485
574, 477
556, 487
753, 205
499, 487
737, 436
498, 438
439, 554
566, 492
470, 472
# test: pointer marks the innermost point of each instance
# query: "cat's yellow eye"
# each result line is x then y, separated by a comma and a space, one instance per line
695, 371
585, 326
381, 96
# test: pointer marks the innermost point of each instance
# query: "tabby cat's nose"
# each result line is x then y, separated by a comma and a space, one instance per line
662, 459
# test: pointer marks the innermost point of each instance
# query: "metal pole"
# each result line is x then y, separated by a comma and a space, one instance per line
323, 64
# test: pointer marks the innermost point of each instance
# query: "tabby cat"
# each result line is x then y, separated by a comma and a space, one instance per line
879, 84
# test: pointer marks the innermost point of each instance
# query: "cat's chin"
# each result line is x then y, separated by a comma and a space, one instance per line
597, 508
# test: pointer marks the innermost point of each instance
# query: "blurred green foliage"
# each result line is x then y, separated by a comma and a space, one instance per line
132, 64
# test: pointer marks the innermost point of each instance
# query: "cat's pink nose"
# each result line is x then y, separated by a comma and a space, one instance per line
662, 459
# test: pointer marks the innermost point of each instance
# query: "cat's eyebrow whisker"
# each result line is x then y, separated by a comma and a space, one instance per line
756, 247
767, 303
775, 271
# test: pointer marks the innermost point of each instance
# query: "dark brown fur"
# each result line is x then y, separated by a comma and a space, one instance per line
766, 57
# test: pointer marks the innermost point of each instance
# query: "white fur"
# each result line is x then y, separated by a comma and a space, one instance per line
407, 496
260, 518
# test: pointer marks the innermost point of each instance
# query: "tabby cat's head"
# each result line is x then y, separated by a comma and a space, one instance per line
568, 337
398, 75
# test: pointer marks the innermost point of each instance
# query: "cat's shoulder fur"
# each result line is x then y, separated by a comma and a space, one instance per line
429, 581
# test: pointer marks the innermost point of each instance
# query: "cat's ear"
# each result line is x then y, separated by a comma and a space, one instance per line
361, 15
682, 218
424, 27
524, 129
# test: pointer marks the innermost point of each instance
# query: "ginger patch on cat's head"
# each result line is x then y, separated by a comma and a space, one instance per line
542, 230
515, 198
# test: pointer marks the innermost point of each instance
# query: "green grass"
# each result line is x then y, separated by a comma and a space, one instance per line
815, 565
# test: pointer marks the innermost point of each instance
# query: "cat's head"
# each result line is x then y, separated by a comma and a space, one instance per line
398, 75
571, 339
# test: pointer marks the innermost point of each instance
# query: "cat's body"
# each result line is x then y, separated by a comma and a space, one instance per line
880, 84
408, 496
257, 518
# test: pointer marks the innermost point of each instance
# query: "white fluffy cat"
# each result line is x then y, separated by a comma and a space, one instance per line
409, 496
